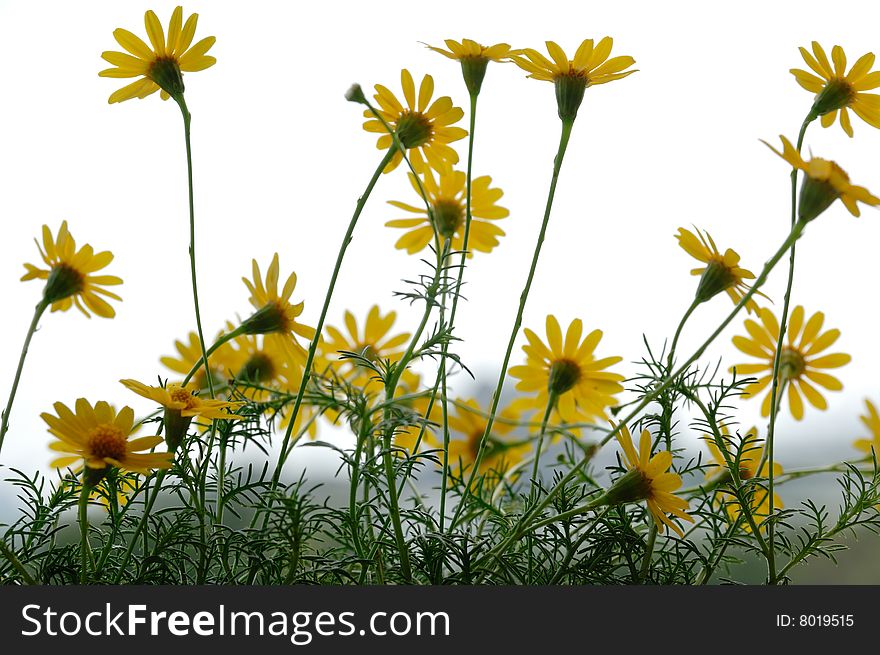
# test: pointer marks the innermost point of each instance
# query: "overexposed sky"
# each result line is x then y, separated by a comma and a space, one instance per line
280, 159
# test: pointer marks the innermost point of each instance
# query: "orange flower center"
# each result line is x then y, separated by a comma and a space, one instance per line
181, 395
107, 440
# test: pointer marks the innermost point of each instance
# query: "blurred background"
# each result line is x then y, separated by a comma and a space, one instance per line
280, 158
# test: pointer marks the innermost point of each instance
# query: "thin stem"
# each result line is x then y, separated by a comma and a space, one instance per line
4, 422
649, 551
154, 493
85, 550
551, 402
517, 322
468, 217
670, 361
187, 120
777, 359
313, 346
10, 555
222, 339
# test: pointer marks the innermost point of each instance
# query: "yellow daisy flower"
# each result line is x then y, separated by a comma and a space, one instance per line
470, 49
425, 129
474, 58
126, 485
648, 479
100, 436
872, 422
184, 400
275, 315
188, 355
69, 278
259, 360
800, 366
467, 425
589, 66
721, 273
375, 343
181, 406
448, 207
752, 451
824, 183
161, 67
568, 369
836, 90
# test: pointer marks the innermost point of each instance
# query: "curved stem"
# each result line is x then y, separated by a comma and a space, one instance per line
187, 120
154, 493
670, 361
307, 370
4, 422
517, 322
85, 551
222, 339
10, 555
777, 359
551, 402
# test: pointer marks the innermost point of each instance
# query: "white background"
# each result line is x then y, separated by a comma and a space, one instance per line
280, 159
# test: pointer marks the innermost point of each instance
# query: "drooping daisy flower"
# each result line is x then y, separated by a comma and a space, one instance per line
801, 365
823, 183
568, 369
474, 58
181, 406
648, 479
163, 65
467, 424
447, 199
751, 450
374, 343
721, 273
871, 420
99, 436
425, 129
70, 278
589, 66
836, 90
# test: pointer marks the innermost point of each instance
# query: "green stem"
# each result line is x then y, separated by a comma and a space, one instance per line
670, 361
551, 402
777, 359
4, 422
10, 555
649, 551
187, 120
496, 396
85, 550
468, 217
307, 371
222, 339
154, 493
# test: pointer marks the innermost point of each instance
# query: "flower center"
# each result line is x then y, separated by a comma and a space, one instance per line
181, 395
107, 440
413, 129
63, 281
448, 216
259, 368
564, 374
792, 363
